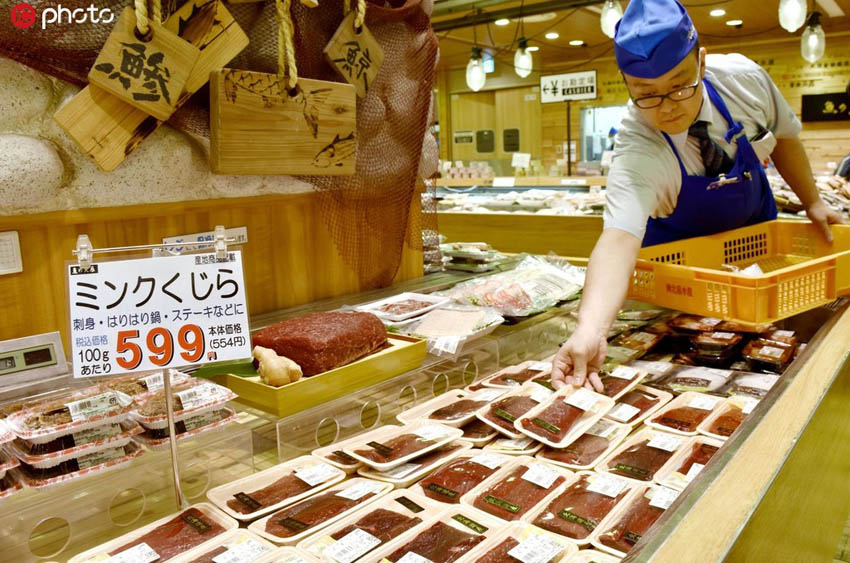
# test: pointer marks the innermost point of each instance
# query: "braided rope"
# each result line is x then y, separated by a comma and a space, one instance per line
286, 49
361, 14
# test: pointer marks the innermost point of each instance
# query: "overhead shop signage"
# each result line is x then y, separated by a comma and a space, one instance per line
153, 313
568, 87
826, 107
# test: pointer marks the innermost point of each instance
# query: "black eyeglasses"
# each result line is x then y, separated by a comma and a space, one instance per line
680, 95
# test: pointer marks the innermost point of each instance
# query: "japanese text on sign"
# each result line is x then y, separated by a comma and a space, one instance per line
570, 86
157, 312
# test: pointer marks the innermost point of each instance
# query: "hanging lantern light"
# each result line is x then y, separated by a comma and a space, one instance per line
813, 42
792, 14
522, 59
475, 76
611, 14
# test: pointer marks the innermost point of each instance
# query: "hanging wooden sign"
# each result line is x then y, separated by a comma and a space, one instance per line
108, 129
147, 73
355, 54
257, 126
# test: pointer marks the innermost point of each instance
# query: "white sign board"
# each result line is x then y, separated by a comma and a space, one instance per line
571, 86
520, 159
239, 235
153, 313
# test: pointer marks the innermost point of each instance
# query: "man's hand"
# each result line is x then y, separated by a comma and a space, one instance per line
823, 216
579, 360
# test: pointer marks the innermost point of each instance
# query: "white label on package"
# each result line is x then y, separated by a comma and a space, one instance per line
100, 457
772, 352
607, 485
536, 549
658, 368
94, 434
146, 314
540, 393
665, 442
489, 461
242, 552
411, 557
623, 412
518, 444
582, 398
693, 472
540, 366
195, 422
198, 396
723, 335
93, 406
432, 432
154, 382
360, 490
703, 402
663, 497
602, 428
401, 471
488, 395
540, 475
749, 405
352, 546
447, 344
316, 474
710, 321
141, 553
624, 372
783, 333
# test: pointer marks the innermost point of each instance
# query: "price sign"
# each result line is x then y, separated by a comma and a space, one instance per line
153, 313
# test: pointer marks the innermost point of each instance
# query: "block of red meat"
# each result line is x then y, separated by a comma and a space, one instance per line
455, 479
189, 529
577, 511
700, 453
380, 523
286, 487
320, 342
513, 496
505, 411
457, 410
476, 430
499, 554
395, 448
309, 513
639, 400
728, 422
583, 451
441, 543
639, 461
628, 530
685, 419
554, 422
613, 385
515, 378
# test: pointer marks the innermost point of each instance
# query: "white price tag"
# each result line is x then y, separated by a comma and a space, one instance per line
540, 475
783, 333
624, 372
360, 490
693, 471
488, 395
141, 553
602, 428
98, 458
401, 471
432, 432
447, 344
723, 335
749, 405
504, 182
94, 434
411, 557
607, 485
623, 412
316, 474
536, 549
663, 497
540, 366
490, 461
352, 546
198, 396
540, 394
666, 442
658, 368
93, 406
703, 402
582, 398
154, 382
243, 552
772, 352
516, 445
520, 159
710, 321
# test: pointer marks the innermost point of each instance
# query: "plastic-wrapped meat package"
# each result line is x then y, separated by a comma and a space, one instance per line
700, 453
309, 513
505, 411
457, 410
639, 400
728, 422
753, 384
554, 422
685, 419
441, 543
515, 378
477, 430
628, 530
513, 496
396, 448
699, 379
458, 477
639, 461
382, 524
583, 451
183, 532
577, 511
768, 356
286, 487
499, 554
613, 385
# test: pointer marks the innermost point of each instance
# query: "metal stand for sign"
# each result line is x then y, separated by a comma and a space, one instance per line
84, 253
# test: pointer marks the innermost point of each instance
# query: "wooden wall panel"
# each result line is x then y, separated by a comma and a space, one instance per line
519, 108
471, 112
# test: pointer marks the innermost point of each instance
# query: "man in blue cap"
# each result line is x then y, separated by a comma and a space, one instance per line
687, 163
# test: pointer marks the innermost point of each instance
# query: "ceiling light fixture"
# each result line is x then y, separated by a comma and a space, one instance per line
522, 59
475, 75
576, 42
552, 35
718, 13
813, 42
735, 23
502, 22
611, 14
792, 14
533, 48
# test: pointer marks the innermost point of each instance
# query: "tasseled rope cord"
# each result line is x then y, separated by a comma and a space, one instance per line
285, 47
360, 16
142, 21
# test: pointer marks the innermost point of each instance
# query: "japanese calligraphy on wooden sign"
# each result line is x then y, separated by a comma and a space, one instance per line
826, 107
355, 54
567, 87
148, 74
153, 313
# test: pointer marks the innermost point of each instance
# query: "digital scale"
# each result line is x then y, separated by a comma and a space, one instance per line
35, 363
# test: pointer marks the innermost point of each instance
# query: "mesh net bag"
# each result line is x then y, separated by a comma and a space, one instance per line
369, 213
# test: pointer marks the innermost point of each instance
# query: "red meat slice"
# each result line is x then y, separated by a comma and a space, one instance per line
728, 422
613, 385
454, 480
516, 378
583, 451
310, 513
554, 422
499, 554
700, 453
576, 512
685, 419
440, 543
477, 429
639, 400
504, 411
632, 526
456, 410
286, 487
381, 523
180, 534
398, 447
513, 496
639, 461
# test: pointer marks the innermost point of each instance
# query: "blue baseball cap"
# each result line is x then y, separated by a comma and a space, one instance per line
612, 131
652, 37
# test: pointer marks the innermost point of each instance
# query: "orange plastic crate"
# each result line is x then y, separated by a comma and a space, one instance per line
801, 272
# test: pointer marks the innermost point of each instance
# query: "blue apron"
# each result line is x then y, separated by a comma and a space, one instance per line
711, 205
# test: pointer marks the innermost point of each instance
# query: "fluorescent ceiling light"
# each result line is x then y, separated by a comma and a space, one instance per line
719, 12
576, 42
734, 23
503, 21
552, 35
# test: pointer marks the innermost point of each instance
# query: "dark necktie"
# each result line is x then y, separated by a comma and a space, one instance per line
714, 158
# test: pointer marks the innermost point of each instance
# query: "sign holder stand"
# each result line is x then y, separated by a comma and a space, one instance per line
84, 253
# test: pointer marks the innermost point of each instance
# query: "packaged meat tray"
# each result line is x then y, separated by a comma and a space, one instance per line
515, 376
638, 404
514, 447
183, 534
320, 342
75, 412
618, 355
7, 462
516, 489
727, 417
296, 522
139, 387
6, 434
563, 417
390, 446
599, 440
405, 475
87, 465
642, 455
754, 385
478, 433
45, 456
581, 505
234, 546
592, 556
685, 413
459, 476
334, 455
9, 485
288, 555
356, 536
443, 538
688, 462
450, 327
693, 323
699, 379
716, 343
502, 413
277, 487
787, 337
768, 356
656, 370
632, 519
620, 380
520, 542
404, 306
639, 340
188, 428
453, 408
190, 399
732, 326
